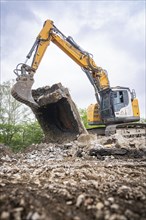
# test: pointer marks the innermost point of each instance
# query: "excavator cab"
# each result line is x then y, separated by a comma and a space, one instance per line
117, 105
125, 105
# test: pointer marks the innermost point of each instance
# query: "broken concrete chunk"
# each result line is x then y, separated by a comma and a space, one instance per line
57, 115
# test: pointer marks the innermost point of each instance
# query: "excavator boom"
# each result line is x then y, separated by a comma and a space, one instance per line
49, 33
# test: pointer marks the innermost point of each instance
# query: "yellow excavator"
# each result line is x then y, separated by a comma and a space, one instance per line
115, 105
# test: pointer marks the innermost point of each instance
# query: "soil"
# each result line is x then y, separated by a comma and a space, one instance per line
87, 179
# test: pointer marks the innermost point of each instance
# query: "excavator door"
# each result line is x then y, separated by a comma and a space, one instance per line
106, 109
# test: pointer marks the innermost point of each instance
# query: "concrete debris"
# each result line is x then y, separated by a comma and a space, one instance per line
99, 205
87, 178
57, 114
80, 200
5, 215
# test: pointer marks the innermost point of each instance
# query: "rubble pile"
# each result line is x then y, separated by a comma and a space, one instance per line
89, 178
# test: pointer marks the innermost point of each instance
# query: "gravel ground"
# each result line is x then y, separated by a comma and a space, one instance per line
85, 179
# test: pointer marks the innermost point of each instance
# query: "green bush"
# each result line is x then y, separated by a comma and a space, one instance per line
17, 137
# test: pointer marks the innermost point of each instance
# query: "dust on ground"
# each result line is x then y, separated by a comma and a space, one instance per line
87, 179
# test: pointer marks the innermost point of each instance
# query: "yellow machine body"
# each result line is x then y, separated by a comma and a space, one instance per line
135, 107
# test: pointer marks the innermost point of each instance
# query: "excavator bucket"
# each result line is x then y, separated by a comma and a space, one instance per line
21, 91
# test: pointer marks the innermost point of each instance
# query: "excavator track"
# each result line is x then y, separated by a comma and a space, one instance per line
126, 130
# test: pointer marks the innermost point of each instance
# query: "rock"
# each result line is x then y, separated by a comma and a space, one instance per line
84, 139
106, 203
115, 206
80, 200
107, 214
120, 141
106, 151
95, 149
123, 190
99, 205
69, 202
131, 215
5, 215
28, 217
68, 145
88, 202
79, 153
18, 209
117, 217
22, 202
35, 216
76, 218
6, 158
99, 214
17, 215
111, 199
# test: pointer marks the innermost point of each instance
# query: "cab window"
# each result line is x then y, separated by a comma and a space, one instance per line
120, 99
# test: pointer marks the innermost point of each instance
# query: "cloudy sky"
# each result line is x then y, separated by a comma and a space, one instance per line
113, 31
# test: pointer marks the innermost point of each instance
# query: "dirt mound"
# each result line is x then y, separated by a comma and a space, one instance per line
63, 181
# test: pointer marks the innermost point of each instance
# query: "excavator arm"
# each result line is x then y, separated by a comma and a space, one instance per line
49, 33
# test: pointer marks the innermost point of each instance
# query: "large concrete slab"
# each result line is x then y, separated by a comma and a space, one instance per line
57, 114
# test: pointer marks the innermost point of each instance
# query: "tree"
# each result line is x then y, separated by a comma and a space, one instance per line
83, 115
12, 111
18, 126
